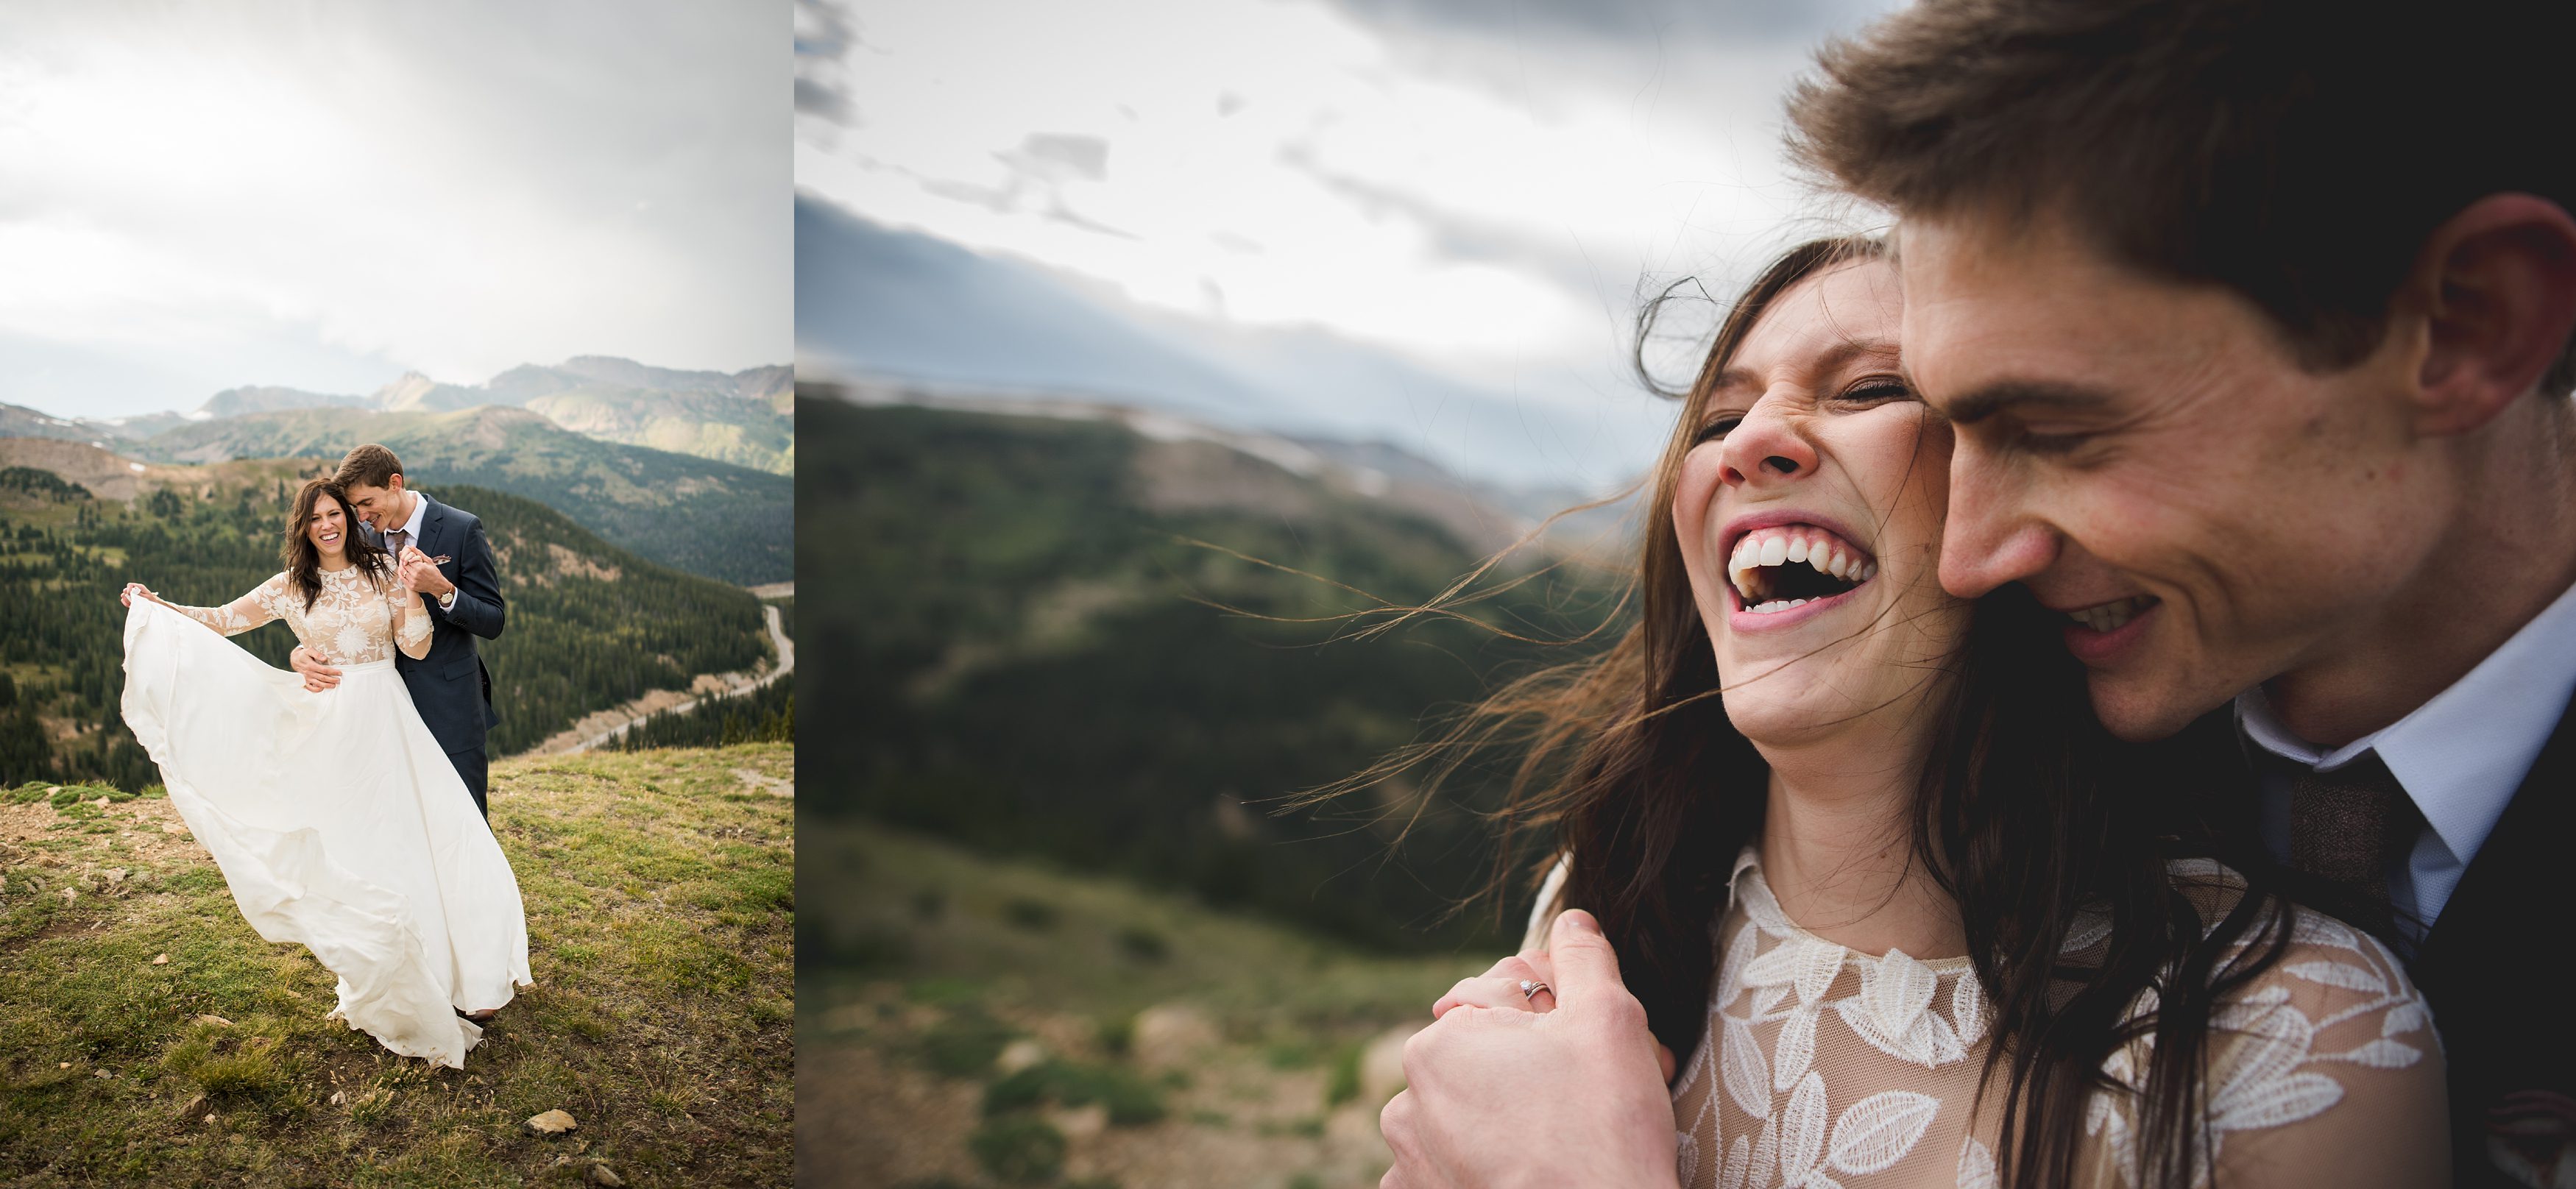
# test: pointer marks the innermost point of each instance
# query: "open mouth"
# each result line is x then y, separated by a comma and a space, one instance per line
2111, 616
1791, 565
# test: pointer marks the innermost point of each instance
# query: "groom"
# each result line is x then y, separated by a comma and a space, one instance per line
450, 686
2255, 331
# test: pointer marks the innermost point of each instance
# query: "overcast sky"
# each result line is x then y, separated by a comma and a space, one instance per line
195, 196
1481, 185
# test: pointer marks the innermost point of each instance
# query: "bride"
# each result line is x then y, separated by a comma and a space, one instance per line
336, 819
1859, 852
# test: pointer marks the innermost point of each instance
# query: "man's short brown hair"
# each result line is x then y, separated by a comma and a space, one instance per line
2298, 153
370, 465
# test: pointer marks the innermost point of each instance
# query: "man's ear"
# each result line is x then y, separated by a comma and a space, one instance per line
2495, 290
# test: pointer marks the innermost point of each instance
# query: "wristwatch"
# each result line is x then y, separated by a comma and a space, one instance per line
447, 602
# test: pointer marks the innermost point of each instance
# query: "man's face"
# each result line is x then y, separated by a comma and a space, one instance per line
379, 507
2149, 457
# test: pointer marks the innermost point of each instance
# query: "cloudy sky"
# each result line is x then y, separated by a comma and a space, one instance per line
195, 196
1484, 187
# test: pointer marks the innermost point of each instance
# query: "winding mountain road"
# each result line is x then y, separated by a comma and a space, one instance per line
739, 683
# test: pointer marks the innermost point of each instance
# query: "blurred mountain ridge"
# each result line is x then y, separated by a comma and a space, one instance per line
884, 304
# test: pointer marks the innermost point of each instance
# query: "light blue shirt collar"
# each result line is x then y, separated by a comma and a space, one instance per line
2462, 755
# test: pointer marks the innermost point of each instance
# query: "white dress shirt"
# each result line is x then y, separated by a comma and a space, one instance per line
2460, 756
410, 529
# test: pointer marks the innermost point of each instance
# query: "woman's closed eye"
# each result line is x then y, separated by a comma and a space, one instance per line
1717, 427
1875, 390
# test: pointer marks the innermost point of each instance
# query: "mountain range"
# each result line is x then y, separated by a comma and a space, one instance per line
879, 304
746, 418
686, 468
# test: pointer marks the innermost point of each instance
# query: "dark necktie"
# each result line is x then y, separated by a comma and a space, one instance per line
2350, 826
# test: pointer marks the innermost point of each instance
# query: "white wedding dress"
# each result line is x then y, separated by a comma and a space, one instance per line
336, 818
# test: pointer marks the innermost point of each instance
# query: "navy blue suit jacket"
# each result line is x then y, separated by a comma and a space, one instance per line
450, 686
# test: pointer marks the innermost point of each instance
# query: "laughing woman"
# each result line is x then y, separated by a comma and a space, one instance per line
336, 819
1866, 859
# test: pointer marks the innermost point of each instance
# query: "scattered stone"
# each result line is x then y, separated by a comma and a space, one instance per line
101, 802
192, 1104
100, 1073
1170, 1034
70, 894
601, 1174
1018, 1055
210, 1118
160, 959
554, 1122
67, 1065
1080, 1123
213, 1021
173, 828
115, 876
339, 1097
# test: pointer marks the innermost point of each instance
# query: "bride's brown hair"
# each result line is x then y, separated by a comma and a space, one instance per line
2029, 814
303, 561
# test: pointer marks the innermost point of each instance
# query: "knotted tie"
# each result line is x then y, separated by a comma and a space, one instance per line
2351, 825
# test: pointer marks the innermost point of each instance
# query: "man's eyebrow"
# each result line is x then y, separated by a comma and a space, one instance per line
1981, 403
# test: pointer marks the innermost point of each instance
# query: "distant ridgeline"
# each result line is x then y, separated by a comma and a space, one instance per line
590, 625
1014, 658
727, 522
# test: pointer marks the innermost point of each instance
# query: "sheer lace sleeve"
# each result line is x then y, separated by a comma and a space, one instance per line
241, 615
2325, 1070
412, 626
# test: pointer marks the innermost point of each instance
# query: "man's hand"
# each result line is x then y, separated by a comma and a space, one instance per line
1502, 1096
315, 668
420, 575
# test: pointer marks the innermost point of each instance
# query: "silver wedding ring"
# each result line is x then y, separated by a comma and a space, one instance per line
1530, 989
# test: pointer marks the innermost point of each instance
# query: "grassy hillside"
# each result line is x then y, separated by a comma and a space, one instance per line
590, 625
723, 521
661, 907
962, 1018
1020, 654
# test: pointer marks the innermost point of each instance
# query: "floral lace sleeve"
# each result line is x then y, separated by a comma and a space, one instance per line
412, 626
2325, 1070
241, 615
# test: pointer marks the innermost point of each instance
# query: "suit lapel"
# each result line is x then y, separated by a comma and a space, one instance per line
2484, 967
433, 525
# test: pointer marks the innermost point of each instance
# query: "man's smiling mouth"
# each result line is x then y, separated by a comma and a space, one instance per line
2113, 615
1790, 565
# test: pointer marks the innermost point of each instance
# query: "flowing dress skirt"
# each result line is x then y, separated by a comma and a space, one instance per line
339, 825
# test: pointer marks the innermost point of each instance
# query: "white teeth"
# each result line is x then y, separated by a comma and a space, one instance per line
2111, 617
1768, 548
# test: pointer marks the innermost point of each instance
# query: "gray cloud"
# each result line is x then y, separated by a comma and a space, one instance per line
1453, 235
1050, 157
1621, 21
817, 99
824, 29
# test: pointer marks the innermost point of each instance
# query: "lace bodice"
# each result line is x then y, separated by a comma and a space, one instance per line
355, 619
1826, 1067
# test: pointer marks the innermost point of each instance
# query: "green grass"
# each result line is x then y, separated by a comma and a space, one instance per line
952, 925
948, 1030
661, 917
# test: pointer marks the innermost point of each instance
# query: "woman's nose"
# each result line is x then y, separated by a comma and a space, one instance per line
1765, 445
